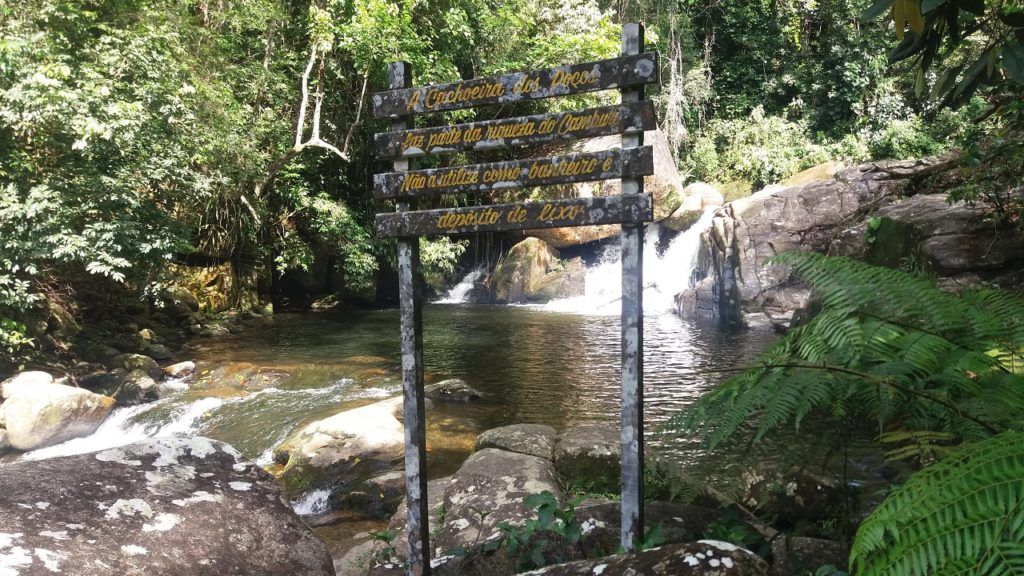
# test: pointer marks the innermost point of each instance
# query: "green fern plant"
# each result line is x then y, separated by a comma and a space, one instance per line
963, 515
887, 347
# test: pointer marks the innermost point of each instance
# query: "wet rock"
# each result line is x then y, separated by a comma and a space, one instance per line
532, 439
40, 413
131, 362
215, 330
137, 388
451, 390
343, 452
240, 375
170, 506
732, 279
533, 272
99, 352
5, 444
697, 197
802, 555
702, 558
589, 456
665, 185
158, 352
148, 335
180, 370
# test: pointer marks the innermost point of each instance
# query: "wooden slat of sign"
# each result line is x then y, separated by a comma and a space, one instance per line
522, 216
583, 167
632, 70
538, 129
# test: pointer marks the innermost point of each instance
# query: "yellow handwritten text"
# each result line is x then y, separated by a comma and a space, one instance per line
564, 168
459, 220
553, 212
453, 96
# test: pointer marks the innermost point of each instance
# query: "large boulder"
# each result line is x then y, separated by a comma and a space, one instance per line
342, 452
665, 186
40, 413
703, 558
533, 272
734, 283
351, 453
169, 506
927, 233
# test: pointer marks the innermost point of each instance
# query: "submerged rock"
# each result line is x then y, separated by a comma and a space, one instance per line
137, 388
452, 390
39, 413
169, 506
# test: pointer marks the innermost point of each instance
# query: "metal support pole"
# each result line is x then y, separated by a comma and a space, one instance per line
400, 76
632, 240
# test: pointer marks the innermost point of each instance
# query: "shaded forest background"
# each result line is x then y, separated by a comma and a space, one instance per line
141, 137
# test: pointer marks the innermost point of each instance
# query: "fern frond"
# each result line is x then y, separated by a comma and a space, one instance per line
886, 346
963, 515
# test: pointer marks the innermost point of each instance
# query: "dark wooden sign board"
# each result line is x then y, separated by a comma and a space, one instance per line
583, 167
628, 73
522, 131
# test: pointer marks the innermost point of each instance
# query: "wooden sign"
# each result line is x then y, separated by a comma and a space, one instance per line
635, 70
582, 167
525, 130
635, 208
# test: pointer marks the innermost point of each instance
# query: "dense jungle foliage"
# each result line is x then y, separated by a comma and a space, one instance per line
137, 133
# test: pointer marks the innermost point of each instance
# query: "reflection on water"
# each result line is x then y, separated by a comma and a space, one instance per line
533, 366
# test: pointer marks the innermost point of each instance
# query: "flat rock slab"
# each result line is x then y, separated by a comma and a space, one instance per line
531, 439
703, 558
170, 506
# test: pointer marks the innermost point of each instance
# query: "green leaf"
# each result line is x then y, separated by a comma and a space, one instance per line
875, 10
1013, 61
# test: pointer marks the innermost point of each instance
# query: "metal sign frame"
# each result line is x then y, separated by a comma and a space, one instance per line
628, 73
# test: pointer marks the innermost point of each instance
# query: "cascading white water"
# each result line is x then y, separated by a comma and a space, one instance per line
120, 428
665, 274
460, 292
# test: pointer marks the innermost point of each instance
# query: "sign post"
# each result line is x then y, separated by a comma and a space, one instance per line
632, 208
632, 240
411, 303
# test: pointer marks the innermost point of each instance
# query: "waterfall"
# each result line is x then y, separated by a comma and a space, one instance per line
665, 274
460, 292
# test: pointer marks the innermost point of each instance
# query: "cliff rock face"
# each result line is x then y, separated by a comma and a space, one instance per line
864, 212
533, 272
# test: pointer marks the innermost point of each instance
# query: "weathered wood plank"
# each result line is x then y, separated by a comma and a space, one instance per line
521, 216
632, 242
630, 70
413, 402
525, 130
583, 167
